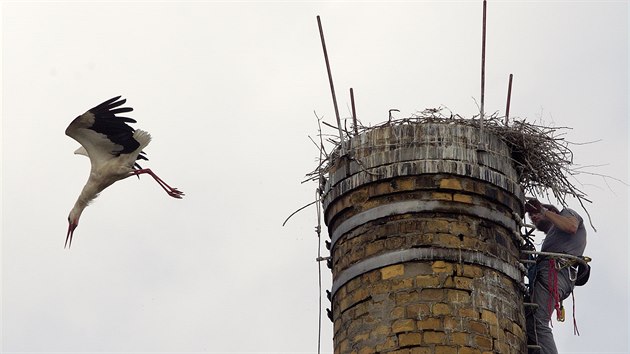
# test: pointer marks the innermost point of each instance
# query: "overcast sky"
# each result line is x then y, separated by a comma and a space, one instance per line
228, 92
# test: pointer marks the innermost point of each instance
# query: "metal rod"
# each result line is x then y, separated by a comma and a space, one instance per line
584, 260
332, 86
507, 104
483, 67
354, 112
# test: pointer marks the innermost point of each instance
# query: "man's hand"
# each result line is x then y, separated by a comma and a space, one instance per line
533, 206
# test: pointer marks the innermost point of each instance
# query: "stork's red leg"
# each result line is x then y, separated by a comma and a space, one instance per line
173, 192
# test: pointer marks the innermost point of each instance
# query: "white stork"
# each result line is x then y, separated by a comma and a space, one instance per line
113, 148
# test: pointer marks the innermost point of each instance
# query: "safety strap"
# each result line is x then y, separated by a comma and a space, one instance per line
575, 328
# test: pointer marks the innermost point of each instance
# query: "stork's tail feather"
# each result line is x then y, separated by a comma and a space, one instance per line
142, 137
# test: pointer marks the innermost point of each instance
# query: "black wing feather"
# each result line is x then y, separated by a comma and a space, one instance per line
114, 127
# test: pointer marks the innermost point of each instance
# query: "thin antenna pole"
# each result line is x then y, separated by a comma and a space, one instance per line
319, 267
354, 112
483, 67
332, 87
507, 104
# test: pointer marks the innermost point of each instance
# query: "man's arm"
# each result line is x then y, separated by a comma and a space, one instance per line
568, 224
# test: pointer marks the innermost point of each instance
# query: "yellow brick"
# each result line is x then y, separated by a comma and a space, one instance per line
463, 283
403, 325
441, 309
374, 247
458, 296
431, 294
427, 281
441, 196
474, 243
458, 228
431, 337
402, 284
417, 310
472, 271
449, 241
383, 287
463, 198
360, 294
467, 350
450, 183
405, 184
483, 342
442, 349
408, 339
478, 327
468, 312
489, 317
397, 312
452, 323
431, 323
516, 329
496, 332
381, 188
392, 271
394, 243
353, 284
459, 338
437, 225
405, 298
448, 281
502, 347
442, 267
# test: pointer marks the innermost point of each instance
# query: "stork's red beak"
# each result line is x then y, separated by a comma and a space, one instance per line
71, 227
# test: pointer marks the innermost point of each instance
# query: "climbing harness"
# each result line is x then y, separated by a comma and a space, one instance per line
579, 272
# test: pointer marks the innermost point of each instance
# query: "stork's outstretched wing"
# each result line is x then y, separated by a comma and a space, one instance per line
102, 133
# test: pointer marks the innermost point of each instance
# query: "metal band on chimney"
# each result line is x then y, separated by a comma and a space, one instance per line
425, 254
419, 206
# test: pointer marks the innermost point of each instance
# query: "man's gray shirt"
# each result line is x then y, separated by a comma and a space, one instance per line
559, 241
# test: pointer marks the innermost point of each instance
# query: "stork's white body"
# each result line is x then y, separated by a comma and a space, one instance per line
106, 168
113, 148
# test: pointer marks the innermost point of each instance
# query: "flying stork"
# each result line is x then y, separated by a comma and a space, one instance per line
113, 148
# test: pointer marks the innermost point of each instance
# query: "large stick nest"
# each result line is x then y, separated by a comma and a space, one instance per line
540, 154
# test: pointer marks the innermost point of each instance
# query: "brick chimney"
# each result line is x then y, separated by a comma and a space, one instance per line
424, 227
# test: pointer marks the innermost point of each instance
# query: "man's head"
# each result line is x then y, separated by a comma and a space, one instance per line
535, 211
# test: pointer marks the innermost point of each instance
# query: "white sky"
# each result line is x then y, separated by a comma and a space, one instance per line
228, 92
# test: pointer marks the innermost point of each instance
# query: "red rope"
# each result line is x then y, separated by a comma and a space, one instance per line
554, 297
